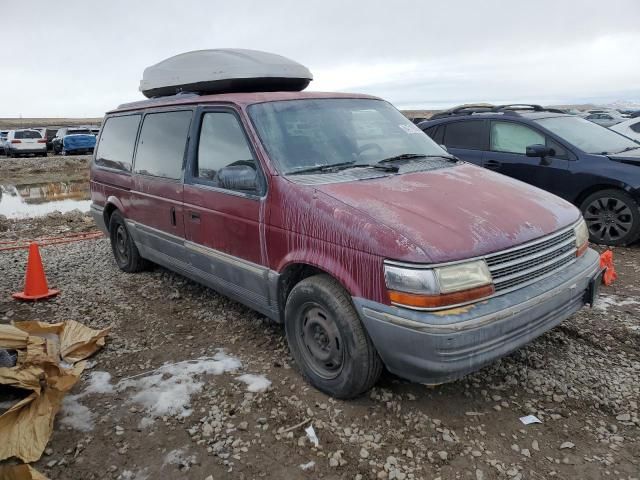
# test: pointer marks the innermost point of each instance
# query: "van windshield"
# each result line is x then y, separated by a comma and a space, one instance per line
299, 134
588, 136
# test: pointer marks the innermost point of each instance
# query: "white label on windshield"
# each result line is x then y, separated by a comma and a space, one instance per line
410, 128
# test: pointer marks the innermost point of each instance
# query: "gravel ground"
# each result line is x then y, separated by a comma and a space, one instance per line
580, 380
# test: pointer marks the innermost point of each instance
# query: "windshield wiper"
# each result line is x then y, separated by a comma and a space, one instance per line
321, 168
627, 149
336, 167
410, 156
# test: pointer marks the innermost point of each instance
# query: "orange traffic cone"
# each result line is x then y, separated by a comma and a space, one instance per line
35, 282
606, 262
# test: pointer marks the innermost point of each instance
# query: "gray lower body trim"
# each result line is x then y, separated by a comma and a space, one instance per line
439, 347
243, 281
97, 212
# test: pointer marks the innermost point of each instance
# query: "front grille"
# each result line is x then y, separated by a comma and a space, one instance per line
527, 263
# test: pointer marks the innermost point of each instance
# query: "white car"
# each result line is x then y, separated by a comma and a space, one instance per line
25, 142
629, 128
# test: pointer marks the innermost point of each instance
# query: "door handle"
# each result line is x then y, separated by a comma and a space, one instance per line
172, 212
195, 216
492, 165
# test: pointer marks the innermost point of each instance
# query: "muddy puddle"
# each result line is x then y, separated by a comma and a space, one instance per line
38, 199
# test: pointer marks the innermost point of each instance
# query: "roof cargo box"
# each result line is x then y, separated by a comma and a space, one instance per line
223, 71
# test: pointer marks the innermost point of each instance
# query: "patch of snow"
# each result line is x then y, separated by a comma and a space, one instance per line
76, 415
146, 422
604, 302
169, 390
99, 382
255, 383
178, 457
307, 466
129, 475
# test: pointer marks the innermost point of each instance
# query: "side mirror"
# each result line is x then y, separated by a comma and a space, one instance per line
238, 177
542, 151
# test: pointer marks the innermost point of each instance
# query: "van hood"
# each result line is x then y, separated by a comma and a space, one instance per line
458, 212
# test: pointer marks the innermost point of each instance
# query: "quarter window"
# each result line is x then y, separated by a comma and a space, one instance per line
513, 138
224, 156
118, 139
468, 134
635, 127
162, 144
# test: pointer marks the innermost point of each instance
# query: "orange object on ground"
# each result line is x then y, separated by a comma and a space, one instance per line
606, 261
35, 281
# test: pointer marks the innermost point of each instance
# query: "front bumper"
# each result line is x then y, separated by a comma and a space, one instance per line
438, 347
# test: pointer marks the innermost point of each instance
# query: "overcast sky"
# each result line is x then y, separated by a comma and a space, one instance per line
81, 58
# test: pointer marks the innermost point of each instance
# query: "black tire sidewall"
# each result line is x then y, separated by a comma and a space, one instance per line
633, 234
352, 379
115, 221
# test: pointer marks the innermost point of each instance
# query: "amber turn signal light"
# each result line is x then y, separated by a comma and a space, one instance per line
444, 300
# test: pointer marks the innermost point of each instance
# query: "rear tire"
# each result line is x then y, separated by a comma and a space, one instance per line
123, 247
327, 339
612, 216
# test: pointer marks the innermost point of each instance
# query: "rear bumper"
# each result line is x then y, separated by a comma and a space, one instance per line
434, 348
97, 212
26, 151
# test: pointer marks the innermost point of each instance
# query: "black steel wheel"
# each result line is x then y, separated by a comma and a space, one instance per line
327, 340
123, 247
612, 216
320, 341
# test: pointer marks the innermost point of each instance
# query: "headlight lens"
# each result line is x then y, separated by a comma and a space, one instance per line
582, 237
438, 287
411, 280
463, 276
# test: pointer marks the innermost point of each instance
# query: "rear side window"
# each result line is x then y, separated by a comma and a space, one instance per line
222, 148
469, 134
27, 134
162, 143
117, 142
513, 138
436, 133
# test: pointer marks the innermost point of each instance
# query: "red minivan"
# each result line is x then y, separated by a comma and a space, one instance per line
336, 216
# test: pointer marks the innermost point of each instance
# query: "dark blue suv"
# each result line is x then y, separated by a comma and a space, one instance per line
593, 167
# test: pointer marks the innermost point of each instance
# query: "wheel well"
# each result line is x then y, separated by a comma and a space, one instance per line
593, 189
292, 275
108, 210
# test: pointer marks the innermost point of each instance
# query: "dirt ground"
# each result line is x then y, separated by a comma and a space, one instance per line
580, 379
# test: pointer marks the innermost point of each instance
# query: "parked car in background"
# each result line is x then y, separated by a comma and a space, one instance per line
3, 139
595, 168
333, 214
629, 128
606, 119
50, 135
70, 141
25, 142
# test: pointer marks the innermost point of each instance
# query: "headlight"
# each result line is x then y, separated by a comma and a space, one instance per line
438, 287
582, 237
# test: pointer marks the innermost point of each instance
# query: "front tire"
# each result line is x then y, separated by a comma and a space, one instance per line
612, 216
123, 247
327, 340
